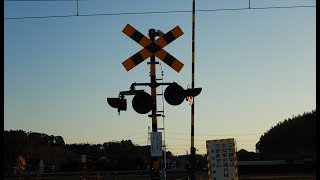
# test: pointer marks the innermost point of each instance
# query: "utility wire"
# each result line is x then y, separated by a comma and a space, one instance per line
157, 12
36, 0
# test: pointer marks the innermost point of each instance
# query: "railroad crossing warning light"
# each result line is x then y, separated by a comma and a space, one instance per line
119, 103
142, 103
193, 92
175, 94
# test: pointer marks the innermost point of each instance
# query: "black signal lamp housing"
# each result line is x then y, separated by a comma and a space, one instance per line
118, 103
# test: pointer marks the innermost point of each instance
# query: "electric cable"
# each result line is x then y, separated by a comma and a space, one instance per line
155, 12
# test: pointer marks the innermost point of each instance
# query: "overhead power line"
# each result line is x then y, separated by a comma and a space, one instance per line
38, 0
156, 12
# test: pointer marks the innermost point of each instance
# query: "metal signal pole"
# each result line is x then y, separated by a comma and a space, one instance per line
155, 164
192, 149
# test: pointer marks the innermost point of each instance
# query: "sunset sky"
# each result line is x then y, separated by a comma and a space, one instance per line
256, 67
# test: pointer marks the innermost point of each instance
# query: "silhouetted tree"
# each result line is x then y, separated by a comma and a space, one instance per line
288, 137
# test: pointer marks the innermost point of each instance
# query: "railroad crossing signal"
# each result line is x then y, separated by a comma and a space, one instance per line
143, 102
152, 48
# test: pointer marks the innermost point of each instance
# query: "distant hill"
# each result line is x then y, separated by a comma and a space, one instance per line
294, 138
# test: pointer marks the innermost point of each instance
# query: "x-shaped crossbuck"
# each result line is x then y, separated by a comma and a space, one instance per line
152, 48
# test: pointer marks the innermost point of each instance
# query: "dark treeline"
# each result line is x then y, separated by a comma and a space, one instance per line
58, 156
290, 139
32, 146
123, 155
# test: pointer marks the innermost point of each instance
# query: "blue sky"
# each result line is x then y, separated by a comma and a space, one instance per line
256, 68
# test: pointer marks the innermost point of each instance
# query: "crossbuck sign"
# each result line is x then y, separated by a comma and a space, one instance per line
152, 48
